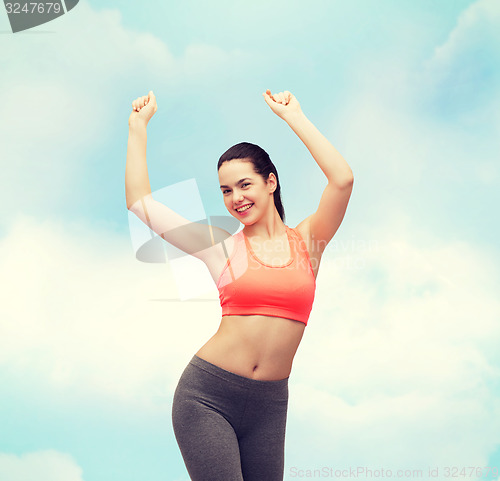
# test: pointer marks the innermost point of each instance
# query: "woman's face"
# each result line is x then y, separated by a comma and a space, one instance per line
240, 186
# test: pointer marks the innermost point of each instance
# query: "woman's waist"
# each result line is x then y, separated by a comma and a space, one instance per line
257, 347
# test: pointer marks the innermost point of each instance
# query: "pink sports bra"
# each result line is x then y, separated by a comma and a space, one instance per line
249, 286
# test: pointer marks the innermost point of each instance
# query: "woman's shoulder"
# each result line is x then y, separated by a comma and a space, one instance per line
300, 230
232, 241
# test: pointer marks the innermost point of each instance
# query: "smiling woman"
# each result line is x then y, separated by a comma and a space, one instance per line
256, 164
230, 406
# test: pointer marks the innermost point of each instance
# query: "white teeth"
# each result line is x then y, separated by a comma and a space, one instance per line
244, 208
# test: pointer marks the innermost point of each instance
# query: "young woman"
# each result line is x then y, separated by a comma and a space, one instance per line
230, 405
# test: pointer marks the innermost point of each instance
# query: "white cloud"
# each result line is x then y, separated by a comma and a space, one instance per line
46, 465
80, 313
397, 150
406, 122
476, 33
399, 363
462, 75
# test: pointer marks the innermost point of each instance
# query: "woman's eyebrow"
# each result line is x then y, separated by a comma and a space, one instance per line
237, 183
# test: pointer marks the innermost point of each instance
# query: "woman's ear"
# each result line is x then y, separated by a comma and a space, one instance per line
272, 183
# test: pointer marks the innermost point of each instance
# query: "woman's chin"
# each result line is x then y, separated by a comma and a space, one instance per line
244, 218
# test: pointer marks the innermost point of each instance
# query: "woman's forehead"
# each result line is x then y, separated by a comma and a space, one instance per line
236, 168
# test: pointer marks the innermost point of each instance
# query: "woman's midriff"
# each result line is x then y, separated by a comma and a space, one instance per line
257, 347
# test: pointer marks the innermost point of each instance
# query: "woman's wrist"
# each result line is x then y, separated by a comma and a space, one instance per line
293, 118
137, 124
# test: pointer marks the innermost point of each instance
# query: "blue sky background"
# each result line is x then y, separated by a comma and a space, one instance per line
399, 365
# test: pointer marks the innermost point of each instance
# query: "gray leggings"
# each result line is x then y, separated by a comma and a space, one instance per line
229, 427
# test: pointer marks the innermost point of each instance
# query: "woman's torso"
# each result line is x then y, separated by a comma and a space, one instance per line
257, 346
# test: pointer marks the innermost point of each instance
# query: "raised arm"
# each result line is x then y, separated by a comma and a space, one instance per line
200, 240
323, 223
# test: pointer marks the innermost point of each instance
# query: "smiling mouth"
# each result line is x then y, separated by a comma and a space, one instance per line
244, 207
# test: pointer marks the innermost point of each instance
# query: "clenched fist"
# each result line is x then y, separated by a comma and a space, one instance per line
143, 108
282, 104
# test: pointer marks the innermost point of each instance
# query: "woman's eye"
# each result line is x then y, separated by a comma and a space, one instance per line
227, 190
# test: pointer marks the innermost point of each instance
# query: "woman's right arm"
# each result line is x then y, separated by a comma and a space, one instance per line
191, 237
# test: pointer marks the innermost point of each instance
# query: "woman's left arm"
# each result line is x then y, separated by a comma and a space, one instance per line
326, 220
